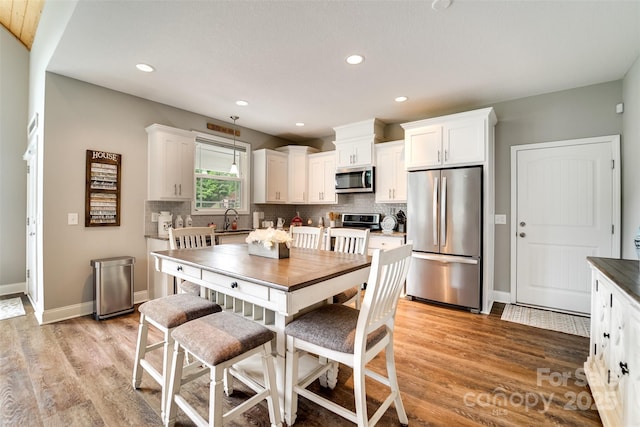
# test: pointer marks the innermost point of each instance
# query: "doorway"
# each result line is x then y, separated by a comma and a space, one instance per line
565, 206
34, 286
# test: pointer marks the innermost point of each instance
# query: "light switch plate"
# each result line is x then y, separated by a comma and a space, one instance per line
72, 219
501, 219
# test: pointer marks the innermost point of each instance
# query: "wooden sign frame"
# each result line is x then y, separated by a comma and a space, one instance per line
102, 193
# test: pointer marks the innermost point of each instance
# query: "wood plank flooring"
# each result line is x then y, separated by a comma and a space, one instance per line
455, 369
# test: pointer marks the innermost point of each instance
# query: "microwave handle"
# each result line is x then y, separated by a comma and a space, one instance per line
364, 179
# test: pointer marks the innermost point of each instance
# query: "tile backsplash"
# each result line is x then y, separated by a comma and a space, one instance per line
347, 203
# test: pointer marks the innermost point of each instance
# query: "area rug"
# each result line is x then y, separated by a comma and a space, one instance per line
11, 307
545, 319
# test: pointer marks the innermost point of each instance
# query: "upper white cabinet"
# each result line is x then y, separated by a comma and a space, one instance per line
454, 140
270, 173
170, 162
354, 142
613, 366
298, 171
322, 173
391, 174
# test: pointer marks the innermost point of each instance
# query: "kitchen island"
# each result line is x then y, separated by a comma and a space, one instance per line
266, 290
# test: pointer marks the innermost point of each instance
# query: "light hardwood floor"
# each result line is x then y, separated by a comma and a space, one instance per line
455, 369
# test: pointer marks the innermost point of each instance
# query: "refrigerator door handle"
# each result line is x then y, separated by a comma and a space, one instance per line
435, 212
445, 258
443, 214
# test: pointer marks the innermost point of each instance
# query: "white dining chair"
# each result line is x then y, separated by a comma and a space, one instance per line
188, 238
348, 240
306, 237
342, 334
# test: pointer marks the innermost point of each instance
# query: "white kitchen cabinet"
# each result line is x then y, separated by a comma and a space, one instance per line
322, 172
391, 174
270, 176
613, 366
298, 171
170, 163
351, 153
384, 241
354, 142
455, 140
158, 284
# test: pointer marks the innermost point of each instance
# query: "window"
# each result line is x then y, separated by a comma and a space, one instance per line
216, 189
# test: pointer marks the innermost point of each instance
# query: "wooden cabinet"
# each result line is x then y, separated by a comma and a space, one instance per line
613, 366
384, 241
298, 171
270, 176
391, 174
455, 140
170, 163
322, 171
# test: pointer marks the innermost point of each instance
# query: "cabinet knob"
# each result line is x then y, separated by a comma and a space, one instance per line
606, 335
522, 235
179, 268
234, 285
522, 223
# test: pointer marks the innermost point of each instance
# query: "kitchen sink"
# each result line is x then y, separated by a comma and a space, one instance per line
237, 230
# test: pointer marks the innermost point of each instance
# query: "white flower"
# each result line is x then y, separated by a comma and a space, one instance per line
268, 237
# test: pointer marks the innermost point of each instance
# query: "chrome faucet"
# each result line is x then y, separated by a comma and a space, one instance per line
227, 224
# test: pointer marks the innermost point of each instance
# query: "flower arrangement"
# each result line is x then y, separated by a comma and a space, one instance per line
269, 237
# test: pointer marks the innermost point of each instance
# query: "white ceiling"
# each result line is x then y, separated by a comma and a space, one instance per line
287, 58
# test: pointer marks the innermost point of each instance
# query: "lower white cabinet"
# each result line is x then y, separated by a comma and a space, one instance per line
158, 284
613, 366
384, 241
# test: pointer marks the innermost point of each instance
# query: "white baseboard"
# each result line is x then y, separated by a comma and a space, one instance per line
13, 288
78, 310
502, 296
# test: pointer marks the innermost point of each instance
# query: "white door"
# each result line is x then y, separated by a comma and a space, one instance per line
567, 205
31, 157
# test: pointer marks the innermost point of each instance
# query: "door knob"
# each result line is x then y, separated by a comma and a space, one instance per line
522, 223
522, 234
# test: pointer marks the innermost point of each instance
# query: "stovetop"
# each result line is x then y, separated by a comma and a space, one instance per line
362, 220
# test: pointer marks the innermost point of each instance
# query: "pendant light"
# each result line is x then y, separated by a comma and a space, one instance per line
234, 166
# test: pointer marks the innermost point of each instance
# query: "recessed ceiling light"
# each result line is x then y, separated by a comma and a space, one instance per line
355, 59
145, 67
440, 4
299, 124
401, 98
242, 103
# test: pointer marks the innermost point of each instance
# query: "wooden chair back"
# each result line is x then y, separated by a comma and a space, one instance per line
306, 237
191, 237
348, 240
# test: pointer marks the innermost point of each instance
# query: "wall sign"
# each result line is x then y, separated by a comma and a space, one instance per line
102, 195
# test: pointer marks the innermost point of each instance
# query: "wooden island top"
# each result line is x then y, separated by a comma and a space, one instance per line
303, 268
623, 272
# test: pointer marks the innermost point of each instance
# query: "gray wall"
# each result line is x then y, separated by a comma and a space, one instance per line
630, 158
14, 87
569, 114
82, 116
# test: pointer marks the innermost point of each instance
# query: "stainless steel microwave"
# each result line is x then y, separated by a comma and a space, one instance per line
355, 180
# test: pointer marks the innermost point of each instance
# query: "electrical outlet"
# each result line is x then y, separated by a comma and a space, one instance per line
155, 216
72, 219
500, 219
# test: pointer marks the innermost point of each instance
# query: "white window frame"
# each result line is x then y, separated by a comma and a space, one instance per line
244, 173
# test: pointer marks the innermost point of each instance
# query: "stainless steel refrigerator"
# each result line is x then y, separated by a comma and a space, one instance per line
444, 221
